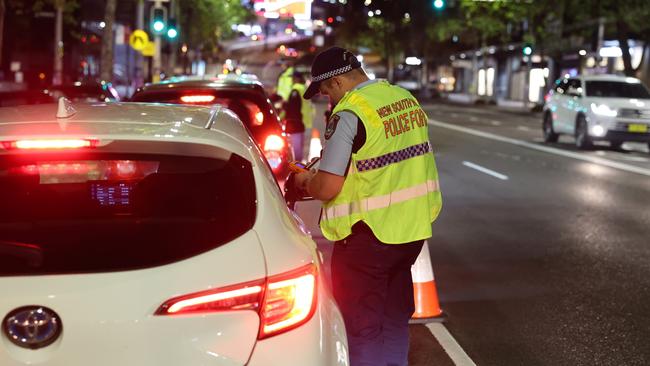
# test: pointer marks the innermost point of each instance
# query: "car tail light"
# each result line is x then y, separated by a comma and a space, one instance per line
197, 98
289, 301
259, 119
49, 144
283, 302
273, 146
245, 296
273, 143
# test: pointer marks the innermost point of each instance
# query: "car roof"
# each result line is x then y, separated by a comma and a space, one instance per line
609, 77
128, 121
220, 82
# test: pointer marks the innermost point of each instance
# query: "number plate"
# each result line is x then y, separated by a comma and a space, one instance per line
635, 127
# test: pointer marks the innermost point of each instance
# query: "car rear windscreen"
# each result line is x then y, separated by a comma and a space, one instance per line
251, 106
616, 89
113, 212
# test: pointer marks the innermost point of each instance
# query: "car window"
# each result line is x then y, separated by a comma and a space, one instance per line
617, 89
246, 104
574, 84
112, 212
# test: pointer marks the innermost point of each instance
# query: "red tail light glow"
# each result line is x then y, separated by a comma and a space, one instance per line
197, 98
273, 143
259, 119
290, 301
283, 302
45, 144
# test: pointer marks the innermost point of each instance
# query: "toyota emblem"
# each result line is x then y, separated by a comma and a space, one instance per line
32, 326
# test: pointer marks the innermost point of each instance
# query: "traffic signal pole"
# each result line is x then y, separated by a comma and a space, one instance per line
157, 62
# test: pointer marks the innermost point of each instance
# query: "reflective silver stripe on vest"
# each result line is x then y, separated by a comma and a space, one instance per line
394, 157
384, 201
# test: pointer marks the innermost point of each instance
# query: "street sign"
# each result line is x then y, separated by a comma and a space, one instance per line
149, 50
139, 39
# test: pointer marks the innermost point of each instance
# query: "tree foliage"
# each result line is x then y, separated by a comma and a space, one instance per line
205, 23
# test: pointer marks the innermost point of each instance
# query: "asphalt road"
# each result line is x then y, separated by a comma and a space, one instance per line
541, 252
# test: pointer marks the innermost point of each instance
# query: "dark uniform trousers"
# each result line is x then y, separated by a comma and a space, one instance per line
373, 287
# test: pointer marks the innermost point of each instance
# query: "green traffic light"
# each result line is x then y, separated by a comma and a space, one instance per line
438, 4
172, 33
527, 50
158, 26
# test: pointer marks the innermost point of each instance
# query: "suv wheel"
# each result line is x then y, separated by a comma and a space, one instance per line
583, 140
547, 127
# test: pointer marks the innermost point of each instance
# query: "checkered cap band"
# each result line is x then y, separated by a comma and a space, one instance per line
332, 73
394, 157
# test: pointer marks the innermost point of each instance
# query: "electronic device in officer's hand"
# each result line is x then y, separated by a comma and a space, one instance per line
299, 167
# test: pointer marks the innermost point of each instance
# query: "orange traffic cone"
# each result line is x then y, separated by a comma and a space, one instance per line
314, 144
427, 307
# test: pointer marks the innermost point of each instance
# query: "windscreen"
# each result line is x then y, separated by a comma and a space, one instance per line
617, 89
112, 212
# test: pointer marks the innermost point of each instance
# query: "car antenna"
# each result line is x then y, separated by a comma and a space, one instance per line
66, 109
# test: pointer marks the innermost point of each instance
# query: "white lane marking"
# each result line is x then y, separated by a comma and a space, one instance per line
495, 122
550, 150
449, 344
523, 128
485, 170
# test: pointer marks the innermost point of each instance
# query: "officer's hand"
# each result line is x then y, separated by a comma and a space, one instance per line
302, 179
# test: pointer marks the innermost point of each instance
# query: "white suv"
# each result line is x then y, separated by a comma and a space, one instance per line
605, 108
142, 234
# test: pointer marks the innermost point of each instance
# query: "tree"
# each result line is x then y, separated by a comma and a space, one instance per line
205, 23
2, 26
106, 64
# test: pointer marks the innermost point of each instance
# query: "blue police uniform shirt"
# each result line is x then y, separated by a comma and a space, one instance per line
335, 158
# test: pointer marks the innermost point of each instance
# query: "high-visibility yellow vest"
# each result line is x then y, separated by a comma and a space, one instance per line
285, 81
306, 108
392, 183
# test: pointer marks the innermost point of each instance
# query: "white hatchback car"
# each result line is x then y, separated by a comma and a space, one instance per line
605, 108
139, 234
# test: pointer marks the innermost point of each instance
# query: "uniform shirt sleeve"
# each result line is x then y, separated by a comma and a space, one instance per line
338, 147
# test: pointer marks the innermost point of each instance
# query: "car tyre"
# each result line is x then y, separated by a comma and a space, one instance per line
583, 140
547, 128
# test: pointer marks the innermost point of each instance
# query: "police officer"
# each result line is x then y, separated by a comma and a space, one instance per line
285, 81
379, 186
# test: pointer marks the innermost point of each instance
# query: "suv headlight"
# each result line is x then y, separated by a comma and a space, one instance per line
603, 110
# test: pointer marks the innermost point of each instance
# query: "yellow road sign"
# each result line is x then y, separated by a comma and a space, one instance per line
149, 49
139, 39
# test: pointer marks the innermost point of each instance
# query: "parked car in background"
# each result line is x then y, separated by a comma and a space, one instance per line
12, 98
150, 234
598, 108
85, 92
244, 95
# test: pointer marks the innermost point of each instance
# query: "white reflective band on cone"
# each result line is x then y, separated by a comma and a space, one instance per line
421, 270
384, 201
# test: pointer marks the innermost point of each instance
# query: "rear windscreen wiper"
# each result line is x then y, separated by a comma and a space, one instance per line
31, 253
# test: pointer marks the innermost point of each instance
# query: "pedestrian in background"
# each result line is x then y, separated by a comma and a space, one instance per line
379, 185
299, 117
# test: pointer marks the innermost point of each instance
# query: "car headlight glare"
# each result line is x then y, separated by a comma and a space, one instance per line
603, 110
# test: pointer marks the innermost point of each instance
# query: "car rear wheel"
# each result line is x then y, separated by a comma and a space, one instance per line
547, 127
583, 140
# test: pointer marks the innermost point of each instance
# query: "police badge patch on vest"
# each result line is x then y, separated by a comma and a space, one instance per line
331, 126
